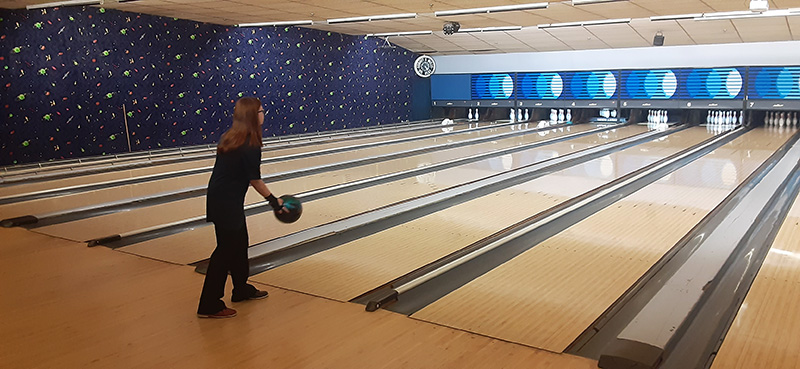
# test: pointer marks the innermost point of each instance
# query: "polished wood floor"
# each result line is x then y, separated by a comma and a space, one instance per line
69, 306
72, 306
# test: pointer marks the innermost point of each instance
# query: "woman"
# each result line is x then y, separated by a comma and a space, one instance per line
237, 165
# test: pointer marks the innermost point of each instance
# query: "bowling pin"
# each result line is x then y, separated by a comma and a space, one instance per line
519, 115
553, 115
794, 120
614, 113
781, 120
476, 114
569, 115
511, 116
469, 116
561, 116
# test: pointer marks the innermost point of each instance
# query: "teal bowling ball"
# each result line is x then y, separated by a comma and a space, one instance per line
293, 208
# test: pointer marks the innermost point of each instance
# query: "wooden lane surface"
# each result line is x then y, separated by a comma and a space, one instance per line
548, 295
79, 307
59, 203
121, 222
352, 269
188, 247
764, 333
273, 152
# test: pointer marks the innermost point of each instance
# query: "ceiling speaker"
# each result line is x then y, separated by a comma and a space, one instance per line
658, 40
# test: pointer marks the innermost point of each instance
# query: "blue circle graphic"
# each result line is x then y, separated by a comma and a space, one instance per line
786, 83
549, 86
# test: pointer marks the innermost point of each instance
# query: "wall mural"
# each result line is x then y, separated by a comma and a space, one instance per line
67, 73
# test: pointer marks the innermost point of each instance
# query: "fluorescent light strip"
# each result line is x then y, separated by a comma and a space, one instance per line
582, 2
412, 33
729, 14
372, 18
490, 29
491, 9
277, 24
63, 3
584, 24
742, 15
675, 17
560, 25
607, 21
72, 3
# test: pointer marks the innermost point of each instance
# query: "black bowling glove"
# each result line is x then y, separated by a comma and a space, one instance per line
273, 202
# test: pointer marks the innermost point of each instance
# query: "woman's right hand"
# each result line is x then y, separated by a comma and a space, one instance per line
280, 203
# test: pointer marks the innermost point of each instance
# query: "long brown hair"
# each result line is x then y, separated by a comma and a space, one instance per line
245, 128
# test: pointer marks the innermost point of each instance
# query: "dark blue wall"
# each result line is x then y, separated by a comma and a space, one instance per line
67, 73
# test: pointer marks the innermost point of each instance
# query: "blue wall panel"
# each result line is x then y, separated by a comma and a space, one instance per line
774, 83
594, 85
714, 83
701, 83
497, 86
450, 87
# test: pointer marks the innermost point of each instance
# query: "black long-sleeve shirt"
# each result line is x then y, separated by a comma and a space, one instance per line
228, 185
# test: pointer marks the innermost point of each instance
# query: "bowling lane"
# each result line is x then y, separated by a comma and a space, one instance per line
191, 246
764, 333
104, 162
52, 204
121, 222
350, 270
272, 152
548, 295
197, 152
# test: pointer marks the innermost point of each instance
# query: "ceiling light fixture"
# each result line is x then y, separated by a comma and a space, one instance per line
583, 2
491, 9
412, 33
607, 21
675, 17
747, 14
560, 25
277, 24
57, 4
586, 23
490, 29
371, 18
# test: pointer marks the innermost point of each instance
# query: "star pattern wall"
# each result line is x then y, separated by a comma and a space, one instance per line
73, 77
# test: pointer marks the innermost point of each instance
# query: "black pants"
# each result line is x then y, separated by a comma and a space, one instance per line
229, 256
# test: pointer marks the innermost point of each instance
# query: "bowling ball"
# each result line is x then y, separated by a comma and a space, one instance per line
293, 208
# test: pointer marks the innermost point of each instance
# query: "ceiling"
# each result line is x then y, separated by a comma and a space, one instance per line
638, 33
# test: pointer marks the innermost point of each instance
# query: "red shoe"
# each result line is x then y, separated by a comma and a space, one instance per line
224, 313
